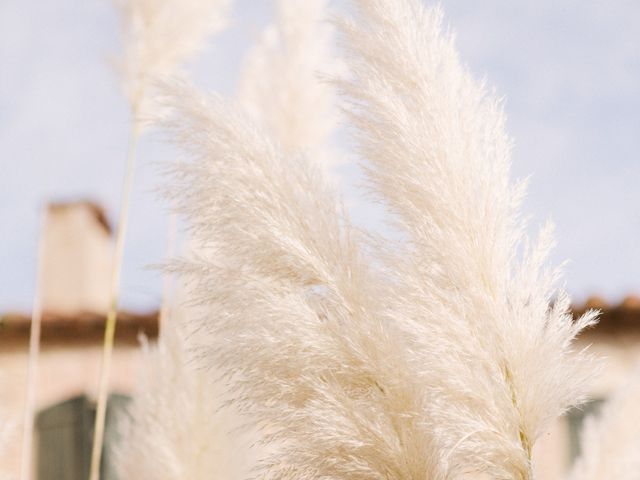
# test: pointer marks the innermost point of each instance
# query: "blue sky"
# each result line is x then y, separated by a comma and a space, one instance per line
569, 70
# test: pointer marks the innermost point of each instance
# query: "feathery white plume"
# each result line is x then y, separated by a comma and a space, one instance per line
281, 85
500, 361
610, 440
160, 35
291, 307
176, 427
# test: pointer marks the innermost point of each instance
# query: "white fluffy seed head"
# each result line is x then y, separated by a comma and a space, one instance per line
432, 140
447, 364
282, 86
158, 37
294, 314
177, 426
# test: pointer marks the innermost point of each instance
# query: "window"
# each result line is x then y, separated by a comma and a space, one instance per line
65, 436
576, 419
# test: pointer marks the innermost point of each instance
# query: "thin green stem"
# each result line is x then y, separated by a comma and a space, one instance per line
110, 329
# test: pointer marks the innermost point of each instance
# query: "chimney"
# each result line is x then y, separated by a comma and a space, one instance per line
77, 253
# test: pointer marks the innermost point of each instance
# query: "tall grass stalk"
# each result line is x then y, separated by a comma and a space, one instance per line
158, 36
177, 426
110, 329
281, 84
281, 89
292, 313
441, 357
475, 288
26, 459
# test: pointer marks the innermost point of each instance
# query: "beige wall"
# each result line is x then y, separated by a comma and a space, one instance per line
64, 371
619, 355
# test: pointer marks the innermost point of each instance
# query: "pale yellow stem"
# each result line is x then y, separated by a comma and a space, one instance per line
522, 435
26, 460
110, 329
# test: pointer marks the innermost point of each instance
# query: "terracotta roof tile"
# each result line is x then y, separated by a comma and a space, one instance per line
80, 328
623, 317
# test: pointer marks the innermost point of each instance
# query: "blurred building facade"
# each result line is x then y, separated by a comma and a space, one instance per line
616, 341
76, 251
76, 261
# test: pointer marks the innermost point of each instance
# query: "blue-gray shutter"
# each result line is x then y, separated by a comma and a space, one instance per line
65, 435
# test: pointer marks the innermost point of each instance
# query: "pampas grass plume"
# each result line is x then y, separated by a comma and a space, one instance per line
500, 357
444, 357
291, 307
281, 84
159, 36
177, 427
